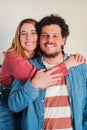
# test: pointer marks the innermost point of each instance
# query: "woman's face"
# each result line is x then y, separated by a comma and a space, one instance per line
28, 37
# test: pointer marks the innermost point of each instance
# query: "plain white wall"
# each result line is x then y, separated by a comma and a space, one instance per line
74, 12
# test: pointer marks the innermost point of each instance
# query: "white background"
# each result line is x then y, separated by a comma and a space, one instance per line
74, 12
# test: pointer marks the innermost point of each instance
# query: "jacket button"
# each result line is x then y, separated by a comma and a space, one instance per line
42, 114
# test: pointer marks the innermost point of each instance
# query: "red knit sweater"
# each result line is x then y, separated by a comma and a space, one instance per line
17, 67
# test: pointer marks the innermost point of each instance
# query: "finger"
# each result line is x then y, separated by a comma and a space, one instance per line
77, 57
83, 60
42, 70
72, 55
54, 82
80, 58
50, 71
57, 75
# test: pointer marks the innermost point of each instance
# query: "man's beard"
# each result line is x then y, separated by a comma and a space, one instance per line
55, 54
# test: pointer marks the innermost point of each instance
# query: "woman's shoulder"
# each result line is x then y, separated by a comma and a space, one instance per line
12, 54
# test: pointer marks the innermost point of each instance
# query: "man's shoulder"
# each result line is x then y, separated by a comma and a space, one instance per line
37, 59
80, 69
37, 62
82, 66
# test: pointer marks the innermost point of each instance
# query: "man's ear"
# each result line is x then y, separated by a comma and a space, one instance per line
63, 41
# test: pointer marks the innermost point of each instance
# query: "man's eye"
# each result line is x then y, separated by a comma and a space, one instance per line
34, 33
44, 35
56, 36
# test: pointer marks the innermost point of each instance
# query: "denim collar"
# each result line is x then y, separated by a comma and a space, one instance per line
65, 58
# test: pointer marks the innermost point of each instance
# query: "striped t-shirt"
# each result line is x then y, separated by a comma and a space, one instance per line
57, 108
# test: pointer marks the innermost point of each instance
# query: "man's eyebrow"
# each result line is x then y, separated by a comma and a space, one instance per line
53, 33
57, 33
44, 33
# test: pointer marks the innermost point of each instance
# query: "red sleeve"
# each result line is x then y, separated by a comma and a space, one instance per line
62, 69
18, 67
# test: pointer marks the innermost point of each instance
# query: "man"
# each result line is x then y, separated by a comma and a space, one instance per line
62, 106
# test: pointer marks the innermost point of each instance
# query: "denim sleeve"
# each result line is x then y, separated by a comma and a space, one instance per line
21, 95
85, 111
85, 106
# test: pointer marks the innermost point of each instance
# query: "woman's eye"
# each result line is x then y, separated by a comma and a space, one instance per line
23, 34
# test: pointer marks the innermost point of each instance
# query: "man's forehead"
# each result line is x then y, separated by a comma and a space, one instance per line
51, 28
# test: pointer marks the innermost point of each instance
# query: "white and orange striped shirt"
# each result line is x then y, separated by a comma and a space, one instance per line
57, 108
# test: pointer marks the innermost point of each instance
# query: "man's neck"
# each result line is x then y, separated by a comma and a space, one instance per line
56, 60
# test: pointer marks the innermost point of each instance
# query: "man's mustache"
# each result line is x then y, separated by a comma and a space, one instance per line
49, 43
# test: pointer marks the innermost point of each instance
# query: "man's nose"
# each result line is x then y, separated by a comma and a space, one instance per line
50, 39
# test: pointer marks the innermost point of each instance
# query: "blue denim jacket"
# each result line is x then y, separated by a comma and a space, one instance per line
8, 120
32, 101
6, 115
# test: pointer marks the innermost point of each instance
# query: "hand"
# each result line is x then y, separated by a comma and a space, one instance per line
44, 79
75, 60
79, 58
